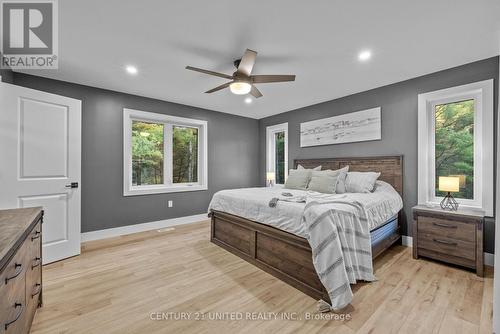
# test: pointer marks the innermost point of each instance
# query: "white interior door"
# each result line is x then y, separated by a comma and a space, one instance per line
40, 153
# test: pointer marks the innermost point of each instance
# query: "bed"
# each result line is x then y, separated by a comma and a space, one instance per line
282, 250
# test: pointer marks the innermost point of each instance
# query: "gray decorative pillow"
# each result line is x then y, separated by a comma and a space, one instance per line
298, 179
360, 182
326, 181
300, 167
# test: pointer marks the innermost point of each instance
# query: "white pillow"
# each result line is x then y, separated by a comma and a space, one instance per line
360, 182
299, 167
326, 181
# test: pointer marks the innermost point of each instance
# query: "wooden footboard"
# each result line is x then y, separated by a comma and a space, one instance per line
281, 254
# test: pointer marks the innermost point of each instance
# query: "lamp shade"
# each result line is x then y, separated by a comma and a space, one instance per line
270, 176
449, 183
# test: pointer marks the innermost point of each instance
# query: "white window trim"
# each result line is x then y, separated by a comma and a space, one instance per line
130, 190
482, 92
270, 147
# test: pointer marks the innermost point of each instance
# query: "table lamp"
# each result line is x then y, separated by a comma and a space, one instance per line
270, 176
449, 184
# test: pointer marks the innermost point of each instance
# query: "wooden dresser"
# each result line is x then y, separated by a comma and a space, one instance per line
20, 268
451, 236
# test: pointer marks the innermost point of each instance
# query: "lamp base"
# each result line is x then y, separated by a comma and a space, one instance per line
270, 183
449, 203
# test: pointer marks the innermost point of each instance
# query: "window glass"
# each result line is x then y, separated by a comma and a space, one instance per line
185, 154
147, 153
454, 145
279, 144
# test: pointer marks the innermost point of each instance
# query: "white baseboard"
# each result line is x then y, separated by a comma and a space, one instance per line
124, 230
489, 259
407, 241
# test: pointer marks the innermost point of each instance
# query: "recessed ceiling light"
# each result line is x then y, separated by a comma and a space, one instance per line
364, 55
131, 69
248, 100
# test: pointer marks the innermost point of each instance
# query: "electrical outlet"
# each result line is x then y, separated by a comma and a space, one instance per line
170, 204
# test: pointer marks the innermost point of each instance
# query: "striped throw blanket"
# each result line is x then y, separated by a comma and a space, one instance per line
340, 243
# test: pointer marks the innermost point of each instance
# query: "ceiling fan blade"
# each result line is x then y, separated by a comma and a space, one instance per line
218, 88
271, 78
247, 62
217, 74
255, 92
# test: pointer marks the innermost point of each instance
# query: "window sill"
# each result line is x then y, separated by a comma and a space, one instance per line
151, 190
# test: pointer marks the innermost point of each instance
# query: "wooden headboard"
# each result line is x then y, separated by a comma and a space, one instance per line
390, 167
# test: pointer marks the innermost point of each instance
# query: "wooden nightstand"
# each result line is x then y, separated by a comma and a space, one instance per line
450, 236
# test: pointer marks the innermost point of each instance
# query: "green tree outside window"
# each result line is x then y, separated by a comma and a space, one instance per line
454, 145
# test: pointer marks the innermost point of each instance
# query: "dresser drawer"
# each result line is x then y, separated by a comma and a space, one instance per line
13, 294
447, 229
450, 246
20, 275
34, 240
34, 272
35, 236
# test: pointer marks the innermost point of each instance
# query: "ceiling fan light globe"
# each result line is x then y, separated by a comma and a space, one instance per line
240, 87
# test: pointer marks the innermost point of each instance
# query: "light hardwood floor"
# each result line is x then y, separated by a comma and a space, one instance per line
116, 284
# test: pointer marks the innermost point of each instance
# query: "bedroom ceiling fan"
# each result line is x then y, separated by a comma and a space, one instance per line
242, 81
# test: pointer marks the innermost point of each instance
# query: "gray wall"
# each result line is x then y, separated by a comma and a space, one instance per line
399, 125
232, 155
7, 76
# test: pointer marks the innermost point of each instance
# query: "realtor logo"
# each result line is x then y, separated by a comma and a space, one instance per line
29, 34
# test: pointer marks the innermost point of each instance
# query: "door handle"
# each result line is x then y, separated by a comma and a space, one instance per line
72, 185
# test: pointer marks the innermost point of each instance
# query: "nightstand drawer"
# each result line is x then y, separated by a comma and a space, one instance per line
457, 248
447, 229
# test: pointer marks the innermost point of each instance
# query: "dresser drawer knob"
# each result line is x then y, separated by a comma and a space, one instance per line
37, 235
39, 286
16, 305
36, 262
19, 269
445, 225
445, 242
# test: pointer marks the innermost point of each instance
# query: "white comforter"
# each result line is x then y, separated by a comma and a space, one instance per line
252, 203
337, 227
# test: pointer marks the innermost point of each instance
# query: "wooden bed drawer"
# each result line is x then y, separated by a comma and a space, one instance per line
233, 235
447, 228
271, 251
459, 248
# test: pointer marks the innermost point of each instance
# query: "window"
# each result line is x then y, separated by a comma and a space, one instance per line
277, 151
454, 145
185, 155
455, 129
147, 153
163, 153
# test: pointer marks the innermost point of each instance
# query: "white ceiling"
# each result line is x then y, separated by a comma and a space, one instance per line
316, 40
